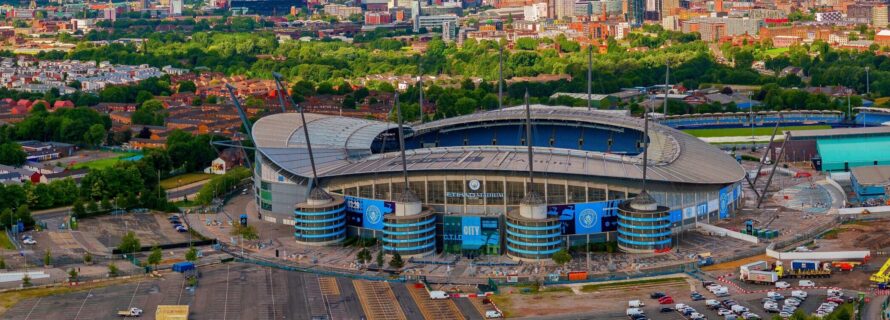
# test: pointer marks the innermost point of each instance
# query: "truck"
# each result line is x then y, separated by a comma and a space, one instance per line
132, 312
757, 276
435, 295
183, 266
635, 304
805, 269
757, 272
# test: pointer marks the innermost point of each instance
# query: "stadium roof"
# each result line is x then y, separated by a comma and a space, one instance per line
343, 148
815, 134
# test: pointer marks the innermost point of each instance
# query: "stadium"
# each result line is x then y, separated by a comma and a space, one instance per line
470, 171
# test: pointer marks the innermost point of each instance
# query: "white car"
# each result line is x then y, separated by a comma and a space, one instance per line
775, 295
29, 240
792, 302
723, 312
696, 315
782, 285
784, 314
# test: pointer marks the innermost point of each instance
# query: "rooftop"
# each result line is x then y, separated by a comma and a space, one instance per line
872, 175
342, 148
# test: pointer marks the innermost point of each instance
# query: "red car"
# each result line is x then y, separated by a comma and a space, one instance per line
835, 300
666, 300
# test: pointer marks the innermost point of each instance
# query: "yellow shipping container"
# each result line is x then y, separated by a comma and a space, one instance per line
172, 312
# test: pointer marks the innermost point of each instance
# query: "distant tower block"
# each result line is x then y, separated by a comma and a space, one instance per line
321, 220
411, 230
643, 225
531, 234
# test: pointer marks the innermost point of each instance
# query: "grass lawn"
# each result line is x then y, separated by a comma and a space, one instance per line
5, 242
743, 132
184, 179
776, 51
104, 163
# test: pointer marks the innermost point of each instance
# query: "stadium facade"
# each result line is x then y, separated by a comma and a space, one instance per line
469, 172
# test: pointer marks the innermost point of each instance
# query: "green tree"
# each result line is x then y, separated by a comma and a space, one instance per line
88, 258
78, 209
91, 206
11, 153
105, 204
150, 113
94, 135
112, 269
155, 257
191, 255
396, 261
26, 280
129, 243
72, 275
2, 262
187, 86
562, 257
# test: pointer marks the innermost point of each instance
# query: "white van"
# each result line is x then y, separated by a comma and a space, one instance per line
834, 293
635, 312
491, 314
806, 283
782, 285
738, 309
635, 304
800, 294
438, 295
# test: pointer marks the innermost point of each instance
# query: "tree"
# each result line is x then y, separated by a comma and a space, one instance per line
129, 243
112, 270
187, 86
2, 262
91, 206
363, 256
26, 280
48, 258
94, 135
105, 204
191, 255
155, 257
380, 259
72, 275
11, 153
88, 258
78, 209
247, 232
150, 113
396, 262
562, 257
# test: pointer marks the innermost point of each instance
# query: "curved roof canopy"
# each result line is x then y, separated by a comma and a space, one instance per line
342, 148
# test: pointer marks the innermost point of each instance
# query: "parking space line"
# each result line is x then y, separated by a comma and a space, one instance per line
134, 294
226, 302
272, 290
33, 307
83, 303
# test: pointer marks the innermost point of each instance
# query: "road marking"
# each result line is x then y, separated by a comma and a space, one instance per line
134, 294
226, 302
83, 303
181, 289
272, 289
32, 308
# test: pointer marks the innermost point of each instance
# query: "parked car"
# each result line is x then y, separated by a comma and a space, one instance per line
657, 295
835, 300
723, 312
695, 296
782, 285
775, 295
29, 240
666, 309
666, 300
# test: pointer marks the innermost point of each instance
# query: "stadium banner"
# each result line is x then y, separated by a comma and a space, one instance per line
702, 209
471, 234
676, 215
587, 218
725, 201
688, 213
367, 213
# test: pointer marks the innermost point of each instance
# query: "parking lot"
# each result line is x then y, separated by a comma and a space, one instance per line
104, 303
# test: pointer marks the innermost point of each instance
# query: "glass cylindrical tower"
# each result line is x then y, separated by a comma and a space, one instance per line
643, 226
321, 220
411, 231
531, 234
